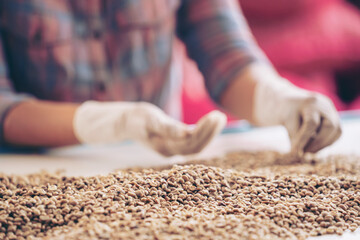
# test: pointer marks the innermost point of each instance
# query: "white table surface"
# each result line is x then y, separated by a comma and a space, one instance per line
87, 161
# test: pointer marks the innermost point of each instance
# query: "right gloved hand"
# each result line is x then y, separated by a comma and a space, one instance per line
97, 122
310, 118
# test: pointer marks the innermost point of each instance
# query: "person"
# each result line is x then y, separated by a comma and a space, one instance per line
100, 71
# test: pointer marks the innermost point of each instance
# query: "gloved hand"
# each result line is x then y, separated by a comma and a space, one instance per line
310, 118
96, 123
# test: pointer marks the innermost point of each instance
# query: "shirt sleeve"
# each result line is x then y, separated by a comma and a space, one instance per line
217, 37
8, 97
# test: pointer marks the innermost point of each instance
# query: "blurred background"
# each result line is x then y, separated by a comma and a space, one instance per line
314, 44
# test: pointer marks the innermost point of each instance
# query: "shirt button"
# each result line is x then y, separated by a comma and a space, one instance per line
97, 34
100, 86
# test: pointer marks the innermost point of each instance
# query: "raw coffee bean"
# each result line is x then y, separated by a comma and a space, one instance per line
262, 195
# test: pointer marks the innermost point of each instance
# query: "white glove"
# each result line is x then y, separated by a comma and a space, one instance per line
99, 123
310, 118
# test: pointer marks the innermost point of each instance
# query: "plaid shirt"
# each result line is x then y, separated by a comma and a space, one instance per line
116, 50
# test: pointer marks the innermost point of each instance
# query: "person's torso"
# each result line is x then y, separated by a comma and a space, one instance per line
76, 50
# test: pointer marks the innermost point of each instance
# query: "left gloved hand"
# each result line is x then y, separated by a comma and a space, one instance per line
108, 122
310, 118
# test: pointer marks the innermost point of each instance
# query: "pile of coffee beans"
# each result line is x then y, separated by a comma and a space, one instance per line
240, 196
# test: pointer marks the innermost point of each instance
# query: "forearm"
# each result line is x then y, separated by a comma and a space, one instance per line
238, 98
40, 123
